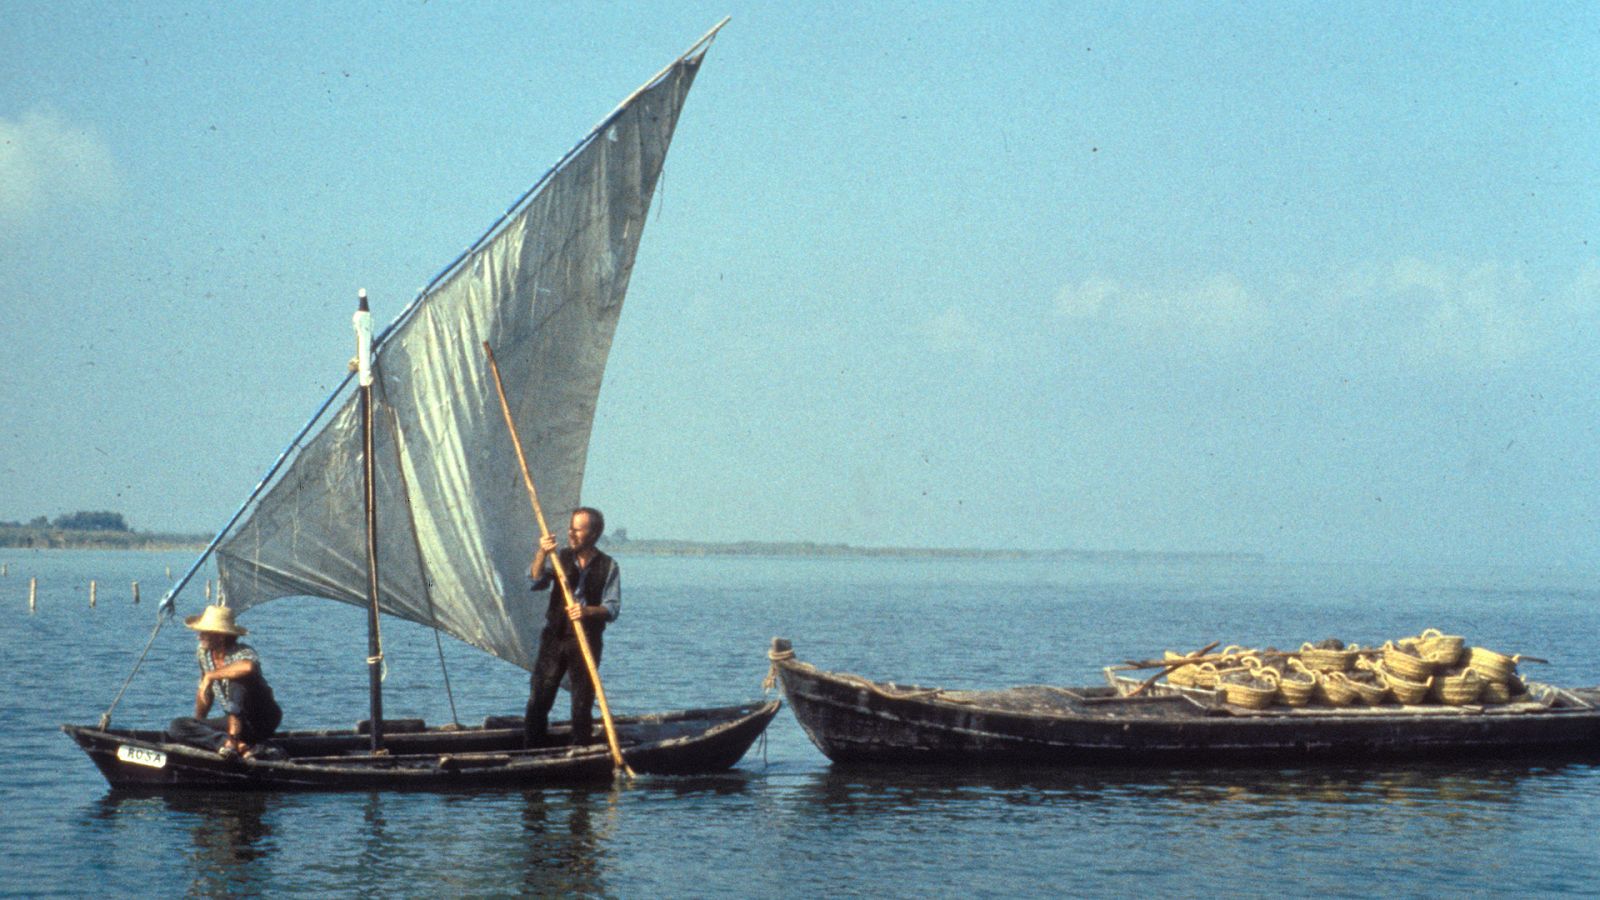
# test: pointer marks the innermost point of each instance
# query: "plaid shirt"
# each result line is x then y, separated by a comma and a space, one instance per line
224, 692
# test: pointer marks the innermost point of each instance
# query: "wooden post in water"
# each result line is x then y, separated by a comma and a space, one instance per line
33, 594
136, 593
92, 586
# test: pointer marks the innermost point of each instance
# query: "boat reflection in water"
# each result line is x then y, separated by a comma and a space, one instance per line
231, 837
1330, 831
548, 842
793, 831
1479, 796
565, 834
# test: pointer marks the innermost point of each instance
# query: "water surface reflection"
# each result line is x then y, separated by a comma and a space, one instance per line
564, 837
1473, 795
221, 840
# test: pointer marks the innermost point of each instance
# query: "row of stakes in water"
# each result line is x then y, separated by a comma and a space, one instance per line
94, 591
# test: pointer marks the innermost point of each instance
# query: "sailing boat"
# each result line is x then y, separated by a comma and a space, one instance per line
420, 452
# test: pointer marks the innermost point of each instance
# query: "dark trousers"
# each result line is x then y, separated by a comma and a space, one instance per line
558, 656
209, 734
258, 722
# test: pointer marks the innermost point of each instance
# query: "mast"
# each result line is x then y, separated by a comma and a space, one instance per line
363, 325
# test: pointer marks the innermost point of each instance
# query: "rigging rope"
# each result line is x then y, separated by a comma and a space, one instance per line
105, 717
771, 681
427, 582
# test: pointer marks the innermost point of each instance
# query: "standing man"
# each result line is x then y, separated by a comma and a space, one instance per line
596, 586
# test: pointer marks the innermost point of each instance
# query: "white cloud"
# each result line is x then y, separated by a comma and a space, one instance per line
1411, 272
1218, 310
1481, 317
1409, 313
1086, 300
46, 162
1435, 315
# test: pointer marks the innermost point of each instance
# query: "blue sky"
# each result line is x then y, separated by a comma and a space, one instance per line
1316, 281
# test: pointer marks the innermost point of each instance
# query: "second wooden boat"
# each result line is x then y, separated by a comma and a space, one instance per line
853, 719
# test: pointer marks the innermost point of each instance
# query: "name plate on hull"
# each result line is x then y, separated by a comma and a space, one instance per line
140, 756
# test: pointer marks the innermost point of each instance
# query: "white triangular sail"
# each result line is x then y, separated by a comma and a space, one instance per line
455, 526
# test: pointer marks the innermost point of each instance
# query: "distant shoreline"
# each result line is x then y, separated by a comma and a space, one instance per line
30, 538
810, 549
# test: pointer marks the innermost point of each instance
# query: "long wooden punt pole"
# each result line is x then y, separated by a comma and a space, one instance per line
561, 575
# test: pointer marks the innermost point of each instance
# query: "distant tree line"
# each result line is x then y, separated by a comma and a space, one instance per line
77, 521
97, 529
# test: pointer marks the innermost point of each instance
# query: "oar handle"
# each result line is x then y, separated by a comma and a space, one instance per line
561, 574
1173, 664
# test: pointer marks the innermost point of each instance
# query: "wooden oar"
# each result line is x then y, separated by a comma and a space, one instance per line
561, 575
1181, 661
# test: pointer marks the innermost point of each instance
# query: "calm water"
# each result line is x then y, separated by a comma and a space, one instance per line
785, 823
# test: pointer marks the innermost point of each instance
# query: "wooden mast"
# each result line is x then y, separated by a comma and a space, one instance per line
363, 326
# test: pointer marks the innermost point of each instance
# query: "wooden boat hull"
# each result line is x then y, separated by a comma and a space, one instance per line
851, 719
684, 742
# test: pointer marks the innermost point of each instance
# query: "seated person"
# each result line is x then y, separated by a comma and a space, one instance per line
230, 674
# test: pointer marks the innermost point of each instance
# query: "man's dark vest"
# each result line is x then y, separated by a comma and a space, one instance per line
587, 590
258, 707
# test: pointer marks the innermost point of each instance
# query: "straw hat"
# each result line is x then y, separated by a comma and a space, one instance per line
216, 619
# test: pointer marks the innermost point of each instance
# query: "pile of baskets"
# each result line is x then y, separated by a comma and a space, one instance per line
1431, 667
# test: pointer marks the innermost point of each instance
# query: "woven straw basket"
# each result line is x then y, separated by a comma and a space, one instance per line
1406, 664
1182, 676
1458, 690
1297, 685
1406, 691
1496, 667
1371, 692
1334, 689
1319, 660
1205, 675
1440, 649
1496, 692
1252, 691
